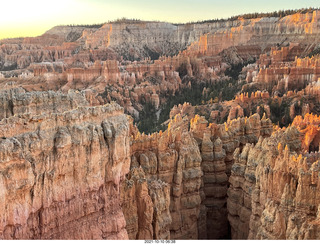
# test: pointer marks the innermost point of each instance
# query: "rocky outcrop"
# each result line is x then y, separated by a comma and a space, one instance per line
218, 143
61, 171
272, 188
162, 220
308, 126
282, 71
137, 206
232, 41
17, 101
173, 158
146, 206
134, 40
74, 167
250, 35
138, 62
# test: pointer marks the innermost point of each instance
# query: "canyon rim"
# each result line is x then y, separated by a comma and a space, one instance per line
150, 130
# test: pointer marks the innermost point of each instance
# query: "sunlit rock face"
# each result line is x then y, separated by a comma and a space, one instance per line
145, 61
74, 166
61, 169
272, 186
137, 40
89, 166
171, 160
218, 143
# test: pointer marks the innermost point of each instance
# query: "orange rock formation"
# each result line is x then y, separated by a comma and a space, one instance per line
73, 166
49, 192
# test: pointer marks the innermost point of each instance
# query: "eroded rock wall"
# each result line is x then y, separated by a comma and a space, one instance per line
61, 172
217, 144
272, 192
78, 171
172, 158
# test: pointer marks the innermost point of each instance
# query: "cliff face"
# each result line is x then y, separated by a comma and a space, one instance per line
173, 159
74, 167
137, 206
217, 143
273, 189
133, 62
135, 40
61, 172
282, 71
195, 165
73, 172
240, 39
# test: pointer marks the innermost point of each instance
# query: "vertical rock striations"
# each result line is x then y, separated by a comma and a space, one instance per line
218, 143
137, 206
272, 192
77, 171
61, 172
171, 161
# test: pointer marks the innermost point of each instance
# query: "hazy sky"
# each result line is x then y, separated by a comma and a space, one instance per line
34, 17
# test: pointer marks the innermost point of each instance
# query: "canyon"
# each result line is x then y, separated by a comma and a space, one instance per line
150, 130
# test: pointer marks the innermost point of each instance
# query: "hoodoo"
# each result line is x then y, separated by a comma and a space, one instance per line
151, 130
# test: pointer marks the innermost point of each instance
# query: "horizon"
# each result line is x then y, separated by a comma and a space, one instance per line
32, 19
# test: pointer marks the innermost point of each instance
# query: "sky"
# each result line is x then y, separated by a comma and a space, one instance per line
20, 18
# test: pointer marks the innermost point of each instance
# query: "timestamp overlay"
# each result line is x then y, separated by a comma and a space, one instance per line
161, 241
179, 241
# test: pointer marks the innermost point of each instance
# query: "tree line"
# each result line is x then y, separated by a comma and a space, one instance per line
279, 14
